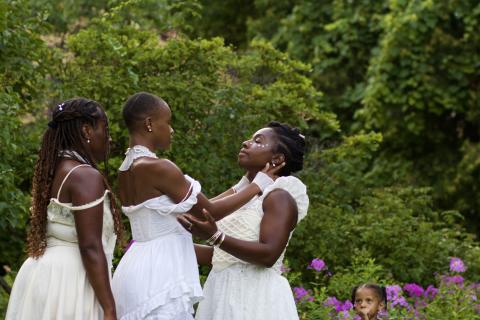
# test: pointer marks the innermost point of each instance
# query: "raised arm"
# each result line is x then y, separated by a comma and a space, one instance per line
174, 184
280, 218
87, 185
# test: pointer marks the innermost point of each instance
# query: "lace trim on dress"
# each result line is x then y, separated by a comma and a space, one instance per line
134, 153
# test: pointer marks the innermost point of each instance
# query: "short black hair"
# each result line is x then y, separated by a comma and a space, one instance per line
138, 107
381, 292
292, 144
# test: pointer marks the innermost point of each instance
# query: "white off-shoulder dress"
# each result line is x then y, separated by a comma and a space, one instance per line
238, 290
55, 285
157, 277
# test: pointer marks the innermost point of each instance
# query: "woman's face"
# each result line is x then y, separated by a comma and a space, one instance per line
256, 152
161, 127
99, 140
367, 302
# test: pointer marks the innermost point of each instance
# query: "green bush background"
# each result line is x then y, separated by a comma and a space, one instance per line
387, 93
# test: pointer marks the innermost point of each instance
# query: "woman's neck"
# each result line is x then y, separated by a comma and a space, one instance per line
142, 141
251, 174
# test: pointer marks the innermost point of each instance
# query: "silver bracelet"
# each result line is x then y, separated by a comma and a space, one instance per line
214, 238
222, 237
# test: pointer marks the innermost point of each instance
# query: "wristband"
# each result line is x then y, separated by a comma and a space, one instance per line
241, 184
262, 180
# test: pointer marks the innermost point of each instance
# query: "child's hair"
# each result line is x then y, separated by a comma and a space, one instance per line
379, 290
139, 106
64, 132
292, 144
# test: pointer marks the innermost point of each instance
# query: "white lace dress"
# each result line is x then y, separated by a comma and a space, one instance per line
238, 290
157, 277
55, 286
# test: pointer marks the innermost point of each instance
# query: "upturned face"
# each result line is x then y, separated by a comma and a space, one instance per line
257, 151
367, 302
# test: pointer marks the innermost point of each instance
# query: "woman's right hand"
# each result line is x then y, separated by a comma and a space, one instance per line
204, 229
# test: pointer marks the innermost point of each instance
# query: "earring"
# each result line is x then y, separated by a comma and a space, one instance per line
88, 140
274, 164
149, 129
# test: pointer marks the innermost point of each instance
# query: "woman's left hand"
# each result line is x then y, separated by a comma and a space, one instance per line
204, 229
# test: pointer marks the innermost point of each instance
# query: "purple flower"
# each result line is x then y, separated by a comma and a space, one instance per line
430, 292
457, 265
399, 301
413, 289
458, 280
338, 305
317, 264
394, 296
302, 294
393, 291
347, 305
332, 302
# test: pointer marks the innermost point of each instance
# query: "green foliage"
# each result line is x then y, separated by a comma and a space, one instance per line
400, 77
362, 270
24, 66
423, 94
224, 18
408, 69
210, 89
398, 226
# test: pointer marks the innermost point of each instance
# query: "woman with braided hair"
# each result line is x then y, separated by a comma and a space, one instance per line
73, 222
246, 282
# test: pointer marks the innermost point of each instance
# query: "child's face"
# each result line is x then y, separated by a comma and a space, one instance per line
367, 303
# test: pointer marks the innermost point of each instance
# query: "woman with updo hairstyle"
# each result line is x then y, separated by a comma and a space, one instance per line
247, 247
73, 222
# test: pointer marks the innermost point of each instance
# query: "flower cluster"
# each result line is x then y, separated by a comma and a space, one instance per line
410, 301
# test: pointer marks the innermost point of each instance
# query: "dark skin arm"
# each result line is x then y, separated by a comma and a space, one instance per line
222, 195
86, 185
204, 254
280, 218
174, 184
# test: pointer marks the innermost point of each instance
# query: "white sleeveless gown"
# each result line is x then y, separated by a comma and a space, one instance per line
238, 290
55, 285
157, 277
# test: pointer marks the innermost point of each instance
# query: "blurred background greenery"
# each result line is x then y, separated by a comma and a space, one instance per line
386, 92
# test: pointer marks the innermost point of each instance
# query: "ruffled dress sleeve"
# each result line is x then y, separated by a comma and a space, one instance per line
296, 188
166, 208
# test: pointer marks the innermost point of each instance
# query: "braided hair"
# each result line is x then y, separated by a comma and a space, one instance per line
138, 107
292, 144
64, 133
379, 290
